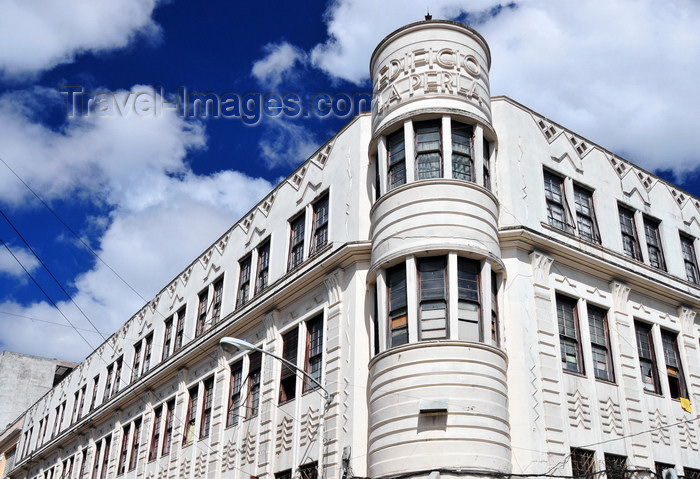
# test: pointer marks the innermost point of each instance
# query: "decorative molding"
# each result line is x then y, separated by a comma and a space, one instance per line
310, 421
285, 435
611, 417
620, 292
659, 427
579, 410
541, 265
185, 469
228, 456
687, 317
686, 433
334, 285
200, 467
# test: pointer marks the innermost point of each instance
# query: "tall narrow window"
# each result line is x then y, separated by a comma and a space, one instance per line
96, 460
689, 258
180, 329
674, 372
600, 344
155, 436
630, 243
397, 159
288, 384
296, 242
168, 429
647, 359
254, 384
314, 351
167, 340
428, 150
76, 401
136, 364
659, 467
261, 279
134, 454
309, 471
234, 401
468, 299
656, 254
568, 335
83, 463
117, 375
319, 234
105, 457
495, 336
398, 313
582, 462
124, 450
202, 312
216, 302
207, 397
556, 203
432, 307
462, 162
487, 164
147, 348
95, 383
67, 468
585, 214
615, 466
243, 281
108, 383
191, 416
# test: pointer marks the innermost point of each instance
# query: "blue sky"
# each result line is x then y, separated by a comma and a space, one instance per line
149, 192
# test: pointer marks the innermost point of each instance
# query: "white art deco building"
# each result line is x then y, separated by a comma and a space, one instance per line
481, 291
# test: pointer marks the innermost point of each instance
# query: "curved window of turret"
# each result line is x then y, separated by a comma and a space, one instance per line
397, 159
432, 310
468, 304
398, 317
462, 159
428, 150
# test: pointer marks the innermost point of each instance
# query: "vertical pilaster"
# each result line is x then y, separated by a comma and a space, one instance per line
382, 164
478, 174
409, 151
268, 410
446, 146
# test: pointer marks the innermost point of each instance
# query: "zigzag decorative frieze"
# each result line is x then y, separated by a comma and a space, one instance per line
266, 205
581, 147
549, 131
200, 468
228, 456
611, 417
185, 276
680, 197
285, 435
687, 434
659, 429
309, 426
162, 472
223, 242
185, 469
646, 180
248, 447
206, 257
322, 157
579, 410
298, 177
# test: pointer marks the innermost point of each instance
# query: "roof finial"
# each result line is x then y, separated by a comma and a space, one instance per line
428, 16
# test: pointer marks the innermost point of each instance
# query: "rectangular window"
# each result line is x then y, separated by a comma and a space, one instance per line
148, 347
124, 450
582, 462
432, 307
134, 454
234, 401
254, 384
689, 258
647, 359
76, 401
216, 302
168, 429
155, 436
243, 281
207, 398
58, 420
314, 351
191, 416
462, 162
167, 340
556, 202
585, 214
396, 156
93, 401
96, 460
600, 344
656, 254
570, 345
105, 458
296, 241
319, 233
468, 299
83, 462
261, 280
615, 466
136, 365
398, 312
428, 150
288, 383
67, 468
691, 473
108, 383
660, 467
487, 164
495, 336
309, 471
117, 375
630, 243
180, 329
202, 312
674, 371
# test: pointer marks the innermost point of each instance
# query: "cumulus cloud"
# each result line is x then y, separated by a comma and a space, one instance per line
37, 36
279, 61
627, 85
156, 213
286, 143
13, 261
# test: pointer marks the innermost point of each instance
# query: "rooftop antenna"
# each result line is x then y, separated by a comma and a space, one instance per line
428, 16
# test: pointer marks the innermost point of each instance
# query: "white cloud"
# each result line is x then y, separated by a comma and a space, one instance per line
621, 73
12, 263
36, 36
279, 60
286, 143
158, 214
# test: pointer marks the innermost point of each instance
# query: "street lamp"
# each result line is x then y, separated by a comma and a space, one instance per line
233, 345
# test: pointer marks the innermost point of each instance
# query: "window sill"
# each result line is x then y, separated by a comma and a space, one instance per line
605, 381
574, 373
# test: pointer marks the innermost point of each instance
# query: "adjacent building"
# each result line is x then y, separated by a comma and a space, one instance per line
481, 292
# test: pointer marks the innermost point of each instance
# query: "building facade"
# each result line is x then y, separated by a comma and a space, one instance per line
481, 291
